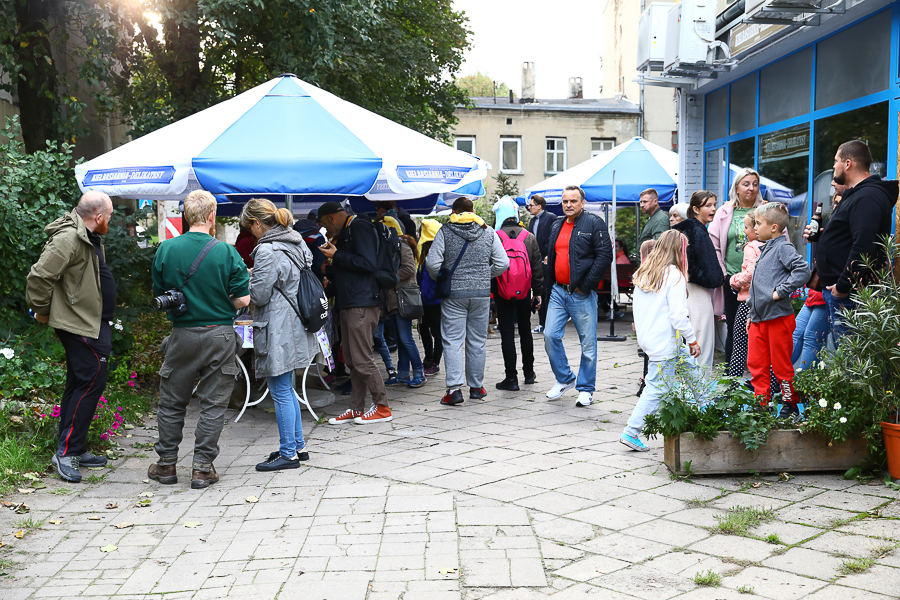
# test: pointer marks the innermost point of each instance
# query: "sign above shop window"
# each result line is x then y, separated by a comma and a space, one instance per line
749, 35
784, 144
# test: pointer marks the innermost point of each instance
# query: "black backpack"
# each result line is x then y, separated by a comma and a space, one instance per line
387, 261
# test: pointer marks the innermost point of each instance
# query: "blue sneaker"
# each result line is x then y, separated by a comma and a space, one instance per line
416, 382
397, 381
634, 443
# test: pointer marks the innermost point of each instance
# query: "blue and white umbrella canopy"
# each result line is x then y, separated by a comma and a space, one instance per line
283, 137
638, 165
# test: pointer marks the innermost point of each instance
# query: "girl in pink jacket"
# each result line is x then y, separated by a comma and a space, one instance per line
741, 283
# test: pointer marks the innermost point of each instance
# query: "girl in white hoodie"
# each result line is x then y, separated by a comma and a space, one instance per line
660, 320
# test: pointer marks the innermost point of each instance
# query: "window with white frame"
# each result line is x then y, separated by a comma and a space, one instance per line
556, 155
466, 144
510, 155
601, 145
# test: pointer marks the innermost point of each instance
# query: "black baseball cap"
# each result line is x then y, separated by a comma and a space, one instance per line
329, 208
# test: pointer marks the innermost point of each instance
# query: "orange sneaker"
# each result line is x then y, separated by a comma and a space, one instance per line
345, 417
374, 415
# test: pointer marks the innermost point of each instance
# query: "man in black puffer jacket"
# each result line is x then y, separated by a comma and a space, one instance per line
860, 221
579, 253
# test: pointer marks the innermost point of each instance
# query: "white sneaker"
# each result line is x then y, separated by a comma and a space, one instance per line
538, 329
559, 389
584, 399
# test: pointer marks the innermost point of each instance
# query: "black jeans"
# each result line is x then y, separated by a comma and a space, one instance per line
432, 341
512, 313
545, 298
731, 308
86, 371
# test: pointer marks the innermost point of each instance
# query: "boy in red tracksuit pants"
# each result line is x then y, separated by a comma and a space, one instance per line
770, 321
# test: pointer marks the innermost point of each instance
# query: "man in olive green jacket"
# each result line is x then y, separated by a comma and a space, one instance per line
73, 290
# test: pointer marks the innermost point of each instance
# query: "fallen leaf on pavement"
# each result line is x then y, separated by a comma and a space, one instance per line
192, 524
19, 534
447, 570
145, 481
123, 525
109, 548
21, 509
112, 505
252, 499
142, 503
93, 518
26, 490
145, 495
755, 485
55, 521
38, 485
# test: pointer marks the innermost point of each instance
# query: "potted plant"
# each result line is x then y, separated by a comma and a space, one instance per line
855, 389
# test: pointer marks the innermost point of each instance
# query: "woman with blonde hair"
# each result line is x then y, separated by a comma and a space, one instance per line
661, 321
280, 342
728, 238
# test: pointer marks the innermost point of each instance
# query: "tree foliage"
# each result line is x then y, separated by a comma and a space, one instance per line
481, 85
389, 57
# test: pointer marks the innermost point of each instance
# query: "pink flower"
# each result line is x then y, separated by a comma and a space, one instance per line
104, 437
96, 417
119, 408
115, 426
133, 374
131, 383
55, 412
43, 416
102, 400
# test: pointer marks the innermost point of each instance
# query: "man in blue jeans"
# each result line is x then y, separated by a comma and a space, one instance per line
580, 252
857, 225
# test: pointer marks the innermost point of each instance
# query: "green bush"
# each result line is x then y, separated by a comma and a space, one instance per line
35, 190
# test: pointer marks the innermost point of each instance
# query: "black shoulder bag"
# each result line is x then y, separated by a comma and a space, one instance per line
442, 284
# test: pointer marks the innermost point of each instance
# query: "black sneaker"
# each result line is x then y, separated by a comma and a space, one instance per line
452, 398
391, 373
530, 377
788, 411
90, 460
301, 455
278, 463
478, 393
510, 384
347, 388
67, 467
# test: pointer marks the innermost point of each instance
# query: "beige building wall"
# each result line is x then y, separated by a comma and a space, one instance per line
620, 34
488, 126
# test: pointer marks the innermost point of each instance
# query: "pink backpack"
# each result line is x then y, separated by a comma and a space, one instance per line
515, 282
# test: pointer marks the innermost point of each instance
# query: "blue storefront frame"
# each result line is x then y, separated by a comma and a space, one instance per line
890, 95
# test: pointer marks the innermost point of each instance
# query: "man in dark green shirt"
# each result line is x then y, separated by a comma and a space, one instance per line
202, 343
659, 220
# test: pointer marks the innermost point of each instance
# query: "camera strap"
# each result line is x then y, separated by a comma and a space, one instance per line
196, 264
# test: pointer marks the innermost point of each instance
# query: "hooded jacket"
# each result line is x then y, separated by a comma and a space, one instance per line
353, 265
65, 282
590, 252
406, 273
484, 259
280, 342
778, 269
313, 238
856, 226
703, 265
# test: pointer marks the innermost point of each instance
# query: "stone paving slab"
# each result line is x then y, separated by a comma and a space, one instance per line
508, 498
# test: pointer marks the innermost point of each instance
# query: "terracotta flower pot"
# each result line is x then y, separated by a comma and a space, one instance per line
891, 433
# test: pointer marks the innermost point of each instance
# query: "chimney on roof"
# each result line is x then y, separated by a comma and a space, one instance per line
528, 82
576, 88
511, 99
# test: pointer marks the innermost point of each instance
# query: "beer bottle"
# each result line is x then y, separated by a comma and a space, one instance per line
815, 225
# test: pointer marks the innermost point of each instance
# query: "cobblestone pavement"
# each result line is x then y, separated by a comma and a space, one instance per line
513, 497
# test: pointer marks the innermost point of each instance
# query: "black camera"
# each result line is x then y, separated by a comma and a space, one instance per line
171, 301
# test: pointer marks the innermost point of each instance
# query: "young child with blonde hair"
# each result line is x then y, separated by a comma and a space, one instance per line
661, 321
741, 283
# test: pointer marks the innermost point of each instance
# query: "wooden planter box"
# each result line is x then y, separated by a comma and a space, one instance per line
786, 450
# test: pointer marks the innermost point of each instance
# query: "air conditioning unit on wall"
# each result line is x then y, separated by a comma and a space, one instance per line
651, 46
690, 33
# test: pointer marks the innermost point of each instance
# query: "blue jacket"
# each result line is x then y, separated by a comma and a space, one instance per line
590, 252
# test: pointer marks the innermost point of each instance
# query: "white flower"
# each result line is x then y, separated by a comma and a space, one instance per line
823, 403
798, 370
843, 419
822, 365
8, 352
837, 406
119, 326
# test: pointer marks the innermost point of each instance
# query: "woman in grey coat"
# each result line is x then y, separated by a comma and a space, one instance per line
280, 342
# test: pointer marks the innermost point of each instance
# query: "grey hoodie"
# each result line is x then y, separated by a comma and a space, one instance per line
778, 269
484, 259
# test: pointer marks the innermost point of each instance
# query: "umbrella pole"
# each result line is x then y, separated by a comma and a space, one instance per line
289, 204
613, 282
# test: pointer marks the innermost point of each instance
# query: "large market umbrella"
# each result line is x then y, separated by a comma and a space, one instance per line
287, 137
638, 165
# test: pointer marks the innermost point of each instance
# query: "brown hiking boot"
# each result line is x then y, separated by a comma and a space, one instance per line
163, 474
203, 479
